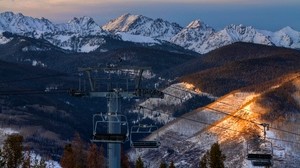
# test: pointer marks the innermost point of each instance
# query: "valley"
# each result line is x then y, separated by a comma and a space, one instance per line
219, 86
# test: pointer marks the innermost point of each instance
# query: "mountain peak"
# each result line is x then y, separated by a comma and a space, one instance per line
288, 30
123, 23
198, 24
194, 24
144, 26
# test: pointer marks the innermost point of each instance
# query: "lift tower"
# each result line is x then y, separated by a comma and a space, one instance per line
114, 92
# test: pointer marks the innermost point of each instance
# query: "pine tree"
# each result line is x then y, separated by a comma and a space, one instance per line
2, 160
95, 157
139, 163
79, 153
163, 164
124, 161
12, 150
213, 158
216, 158
204, 160
172, 164
67, 159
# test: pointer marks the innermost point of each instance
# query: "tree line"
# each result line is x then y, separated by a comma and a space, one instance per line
14, 155
213, 158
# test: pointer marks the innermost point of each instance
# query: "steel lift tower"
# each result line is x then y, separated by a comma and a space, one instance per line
114, 92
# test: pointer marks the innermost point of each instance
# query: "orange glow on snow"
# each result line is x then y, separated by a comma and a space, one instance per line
189, 86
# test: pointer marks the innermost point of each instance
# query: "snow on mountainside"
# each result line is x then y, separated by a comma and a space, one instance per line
197, 36
193, 36
136, 38
186, 139
141, 25
25, 25
83, 26
203, 38
286, 37
4, 40
74, 35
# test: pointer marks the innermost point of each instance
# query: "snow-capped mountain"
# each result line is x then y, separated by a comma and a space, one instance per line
203, 40
76, 35
83, 26
286, 37
231, 34
22, 25
141, 25
85, 35
193, 36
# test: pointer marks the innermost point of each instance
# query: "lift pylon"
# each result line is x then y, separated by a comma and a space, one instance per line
116, 89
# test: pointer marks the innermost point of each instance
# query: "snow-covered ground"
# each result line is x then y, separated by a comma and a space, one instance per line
136, 38
4, 40
185, 139
174, 95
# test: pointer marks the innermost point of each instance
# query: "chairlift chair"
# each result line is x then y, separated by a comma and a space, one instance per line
261, 156
100, 125
143, 130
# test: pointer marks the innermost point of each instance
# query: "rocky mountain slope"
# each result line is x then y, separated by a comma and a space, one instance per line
210, 40
84, 35
144, 26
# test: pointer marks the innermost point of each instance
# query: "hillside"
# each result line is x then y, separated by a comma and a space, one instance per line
232, 120
222, 95
35, 103
239, 65
45, 73
41, 53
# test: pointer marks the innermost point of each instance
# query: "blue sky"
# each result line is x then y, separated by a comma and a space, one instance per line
262, 14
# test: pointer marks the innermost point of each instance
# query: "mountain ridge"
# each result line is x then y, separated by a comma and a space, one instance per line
196, 36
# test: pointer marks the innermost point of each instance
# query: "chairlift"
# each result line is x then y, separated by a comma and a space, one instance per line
100, 128
140, 131
260, 151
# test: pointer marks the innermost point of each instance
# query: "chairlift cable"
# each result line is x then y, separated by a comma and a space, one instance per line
215, 125
253, 122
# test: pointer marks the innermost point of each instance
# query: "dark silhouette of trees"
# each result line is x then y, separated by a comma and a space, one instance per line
139, 163
172, 164
163, 164
95, 157
2, 160
67, 159
12, 151
125, 163
204, 160
78, 151
213, 158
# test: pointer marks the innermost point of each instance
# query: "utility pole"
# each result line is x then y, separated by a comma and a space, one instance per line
114, 136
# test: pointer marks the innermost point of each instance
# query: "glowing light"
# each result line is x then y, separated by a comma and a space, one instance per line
189, 86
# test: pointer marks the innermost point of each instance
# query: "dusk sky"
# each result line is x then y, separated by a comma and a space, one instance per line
262, 14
